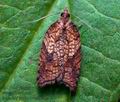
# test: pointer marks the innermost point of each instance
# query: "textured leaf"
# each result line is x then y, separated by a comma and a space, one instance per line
21, 34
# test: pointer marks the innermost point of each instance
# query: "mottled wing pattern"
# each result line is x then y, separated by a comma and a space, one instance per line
60, 54
72, 66
48, 70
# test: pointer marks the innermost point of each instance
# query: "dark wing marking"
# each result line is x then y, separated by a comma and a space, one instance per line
48, 69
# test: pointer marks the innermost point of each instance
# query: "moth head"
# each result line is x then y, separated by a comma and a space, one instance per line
65, 15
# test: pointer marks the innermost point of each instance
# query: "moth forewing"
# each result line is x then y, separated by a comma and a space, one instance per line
60, 54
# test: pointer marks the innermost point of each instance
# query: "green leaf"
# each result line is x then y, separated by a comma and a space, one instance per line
22, 31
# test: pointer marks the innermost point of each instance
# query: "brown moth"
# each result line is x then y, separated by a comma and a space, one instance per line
60, 54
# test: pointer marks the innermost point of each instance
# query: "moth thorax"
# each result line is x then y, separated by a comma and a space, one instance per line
65, 16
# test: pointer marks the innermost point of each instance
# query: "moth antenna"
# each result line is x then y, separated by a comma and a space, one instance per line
48, 15
66, 9
84, 23
81, 25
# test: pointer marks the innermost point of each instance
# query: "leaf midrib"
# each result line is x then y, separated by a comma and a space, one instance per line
30, 43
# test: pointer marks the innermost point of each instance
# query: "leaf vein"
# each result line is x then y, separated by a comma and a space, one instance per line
114, 60
14, 69
97, 11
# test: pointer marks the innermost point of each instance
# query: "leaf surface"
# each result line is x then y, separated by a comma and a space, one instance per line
22, 31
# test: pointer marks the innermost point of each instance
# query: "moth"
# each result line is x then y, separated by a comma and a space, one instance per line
60, 54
